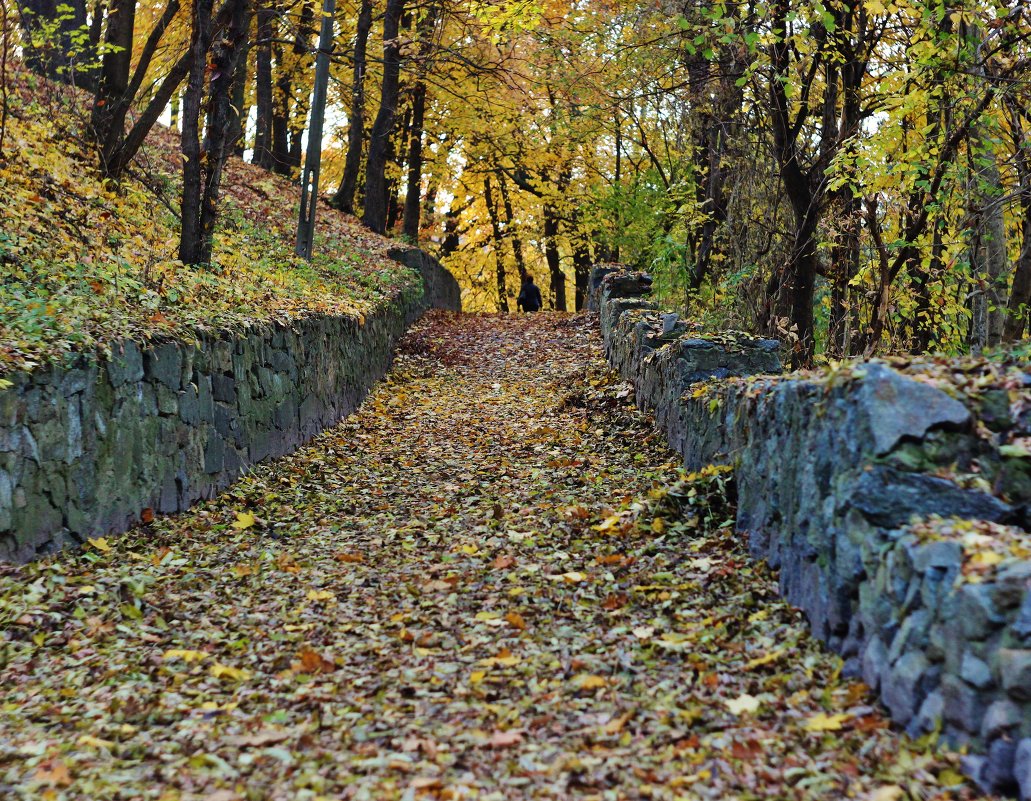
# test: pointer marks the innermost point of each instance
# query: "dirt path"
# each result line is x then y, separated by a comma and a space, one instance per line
476, 587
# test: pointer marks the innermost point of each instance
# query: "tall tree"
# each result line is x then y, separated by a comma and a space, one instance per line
202, 171
375, 214
344, 198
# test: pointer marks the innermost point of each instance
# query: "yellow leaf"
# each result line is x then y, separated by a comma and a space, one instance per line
658, 525
742, 704
244, 520
186, 656
477, 676
100, 543
586, 681
471, 550
90, 741
950, 778
225, 672
759, 661
985, 558
320, 595
822, 722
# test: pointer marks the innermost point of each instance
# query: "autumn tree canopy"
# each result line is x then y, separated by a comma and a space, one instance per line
850, 176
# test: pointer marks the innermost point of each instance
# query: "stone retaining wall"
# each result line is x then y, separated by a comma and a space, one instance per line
87, 447
895, 501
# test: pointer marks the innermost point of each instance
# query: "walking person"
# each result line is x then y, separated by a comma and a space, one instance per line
529, 299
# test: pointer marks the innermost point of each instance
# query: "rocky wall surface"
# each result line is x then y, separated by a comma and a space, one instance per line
89, 446
894, 500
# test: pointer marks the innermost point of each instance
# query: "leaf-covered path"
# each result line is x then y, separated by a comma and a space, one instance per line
475, 587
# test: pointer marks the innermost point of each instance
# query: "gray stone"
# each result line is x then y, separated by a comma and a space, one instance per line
904, 686
964, 707
912, 635
126, 364
946, 555
1002, 717
1022, 625
164, 364
897, 407
929, 718
1015, 672
998, 770
1022, 768
891, 498
975, 671
223, 387
977, 614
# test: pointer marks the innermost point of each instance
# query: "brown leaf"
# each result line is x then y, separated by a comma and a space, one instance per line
515, 620
54, 773
314, 662
350, 558
503, 562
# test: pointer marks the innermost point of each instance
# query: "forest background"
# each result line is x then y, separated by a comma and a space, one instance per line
853, 176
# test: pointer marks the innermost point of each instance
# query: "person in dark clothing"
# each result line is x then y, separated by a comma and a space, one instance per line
529, 299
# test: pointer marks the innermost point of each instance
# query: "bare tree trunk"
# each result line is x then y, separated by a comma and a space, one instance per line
499, 241
553, 258
344, 198
190, 251
263, 89
517, 243
112, 100
375, 216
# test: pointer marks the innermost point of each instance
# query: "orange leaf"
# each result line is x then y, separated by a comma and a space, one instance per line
503, 562
353, 558
313, 662
515, 620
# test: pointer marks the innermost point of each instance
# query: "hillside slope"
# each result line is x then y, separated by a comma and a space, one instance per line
85, 263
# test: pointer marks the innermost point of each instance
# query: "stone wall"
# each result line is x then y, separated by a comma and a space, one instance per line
894, 500
88, 445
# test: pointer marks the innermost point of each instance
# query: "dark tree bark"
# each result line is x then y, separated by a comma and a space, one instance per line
553, 258
1019, 307
517, 243
582, 262
344, 198
263, 88
397, 140
499, 240
203, 169
375, 216
240, 109
119, 86
112, 100
413, 193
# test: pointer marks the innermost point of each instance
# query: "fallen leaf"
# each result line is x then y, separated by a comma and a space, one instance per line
244, 520
742, 704
503, 739
100, 543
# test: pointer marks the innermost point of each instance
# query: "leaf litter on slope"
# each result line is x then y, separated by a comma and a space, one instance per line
490, 582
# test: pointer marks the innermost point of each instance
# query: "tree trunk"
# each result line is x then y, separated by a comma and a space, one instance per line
344, 198
375, 216
413, 192
499, 239
225, 56
190, 250
112, 100
263, 89
553, 258
517, 243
